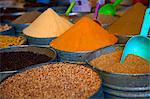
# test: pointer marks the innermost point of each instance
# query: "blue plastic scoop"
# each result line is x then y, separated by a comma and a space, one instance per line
139, 45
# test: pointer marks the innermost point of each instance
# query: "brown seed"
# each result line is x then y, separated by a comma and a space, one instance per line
55, 81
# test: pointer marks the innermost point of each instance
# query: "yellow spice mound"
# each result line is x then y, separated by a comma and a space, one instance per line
85, 35
48, 24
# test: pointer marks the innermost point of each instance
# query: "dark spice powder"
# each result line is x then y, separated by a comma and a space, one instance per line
19, 60
111, 63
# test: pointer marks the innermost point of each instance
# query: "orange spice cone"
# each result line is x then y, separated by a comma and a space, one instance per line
85, 35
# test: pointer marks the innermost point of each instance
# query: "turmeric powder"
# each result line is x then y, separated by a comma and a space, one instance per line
85, 35
131, 21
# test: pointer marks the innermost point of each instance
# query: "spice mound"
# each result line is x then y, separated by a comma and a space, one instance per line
48, 24
85, 35
111, 63
18, 60
6, 41
4, 27
52, 81
128, 24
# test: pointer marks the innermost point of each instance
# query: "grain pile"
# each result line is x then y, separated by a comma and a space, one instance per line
52, 81
6, 41
48, 24
85, 35
131, 21
18, 60
28, 17
111, 63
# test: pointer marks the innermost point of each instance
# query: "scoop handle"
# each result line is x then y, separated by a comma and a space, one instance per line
146, 23
96, 10
70, 8
117, 2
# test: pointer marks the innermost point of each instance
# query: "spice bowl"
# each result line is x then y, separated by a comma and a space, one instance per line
19, 28
121, 85
97, 95
39, 41
43, 50
10, 31
73, 57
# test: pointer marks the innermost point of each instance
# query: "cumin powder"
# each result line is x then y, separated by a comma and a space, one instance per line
111, 63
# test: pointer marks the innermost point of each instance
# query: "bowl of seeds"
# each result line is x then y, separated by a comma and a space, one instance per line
127, 80
53, 81
16, 58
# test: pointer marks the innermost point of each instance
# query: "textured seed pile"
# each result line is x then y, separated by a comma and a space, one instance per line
111, 63
52, 81
6, 41
4, 27
19, 60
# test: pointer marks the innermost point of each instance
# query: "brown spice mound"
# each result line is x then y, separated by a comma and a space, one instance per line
53, 81
111, 63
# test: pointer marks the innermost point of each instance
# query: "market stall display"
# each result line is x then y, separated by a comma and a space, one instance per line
74, 56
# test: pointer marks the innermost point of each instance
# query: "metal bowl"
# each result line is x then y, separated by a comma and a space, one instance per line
121, 86
39, 41
97, 95
45, 50
10, 32
72, 57
19, 28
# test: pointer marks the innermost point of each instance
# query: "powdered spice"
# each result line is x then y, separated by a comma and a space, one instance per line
48, 24
111, 63
85, 35
131, 21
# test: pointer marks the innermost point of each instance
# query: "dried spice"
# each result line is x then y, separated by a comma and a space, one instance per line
52, 81
18, 60
111, 63
131, 21
6, 41
28, 17
48, 24
85, 35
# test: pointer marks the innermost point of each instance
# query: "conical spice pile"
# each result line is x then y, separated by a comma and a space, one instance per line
85, 35
48, 24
